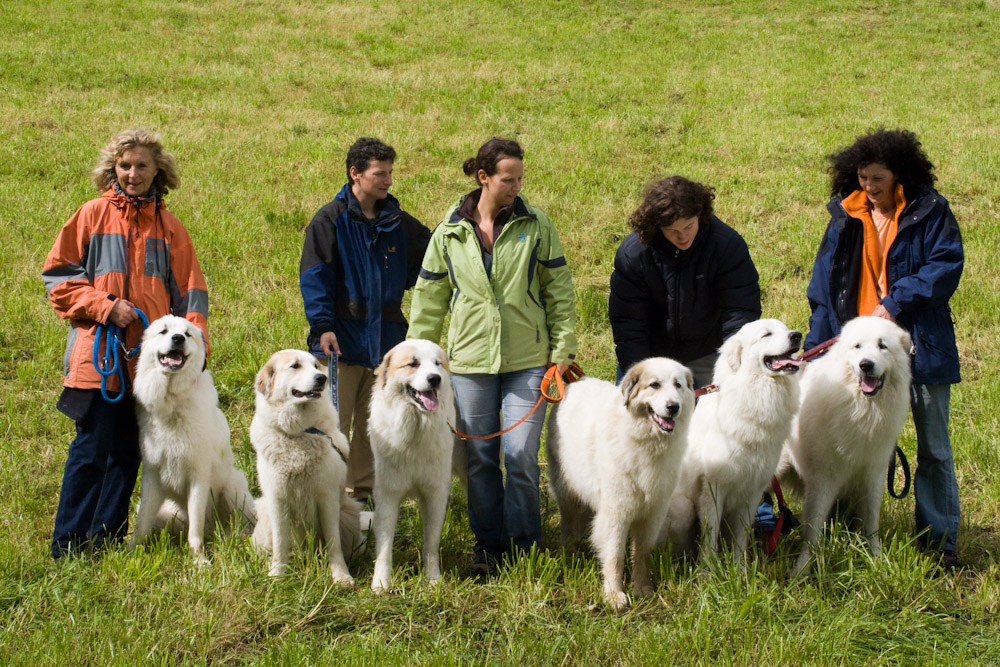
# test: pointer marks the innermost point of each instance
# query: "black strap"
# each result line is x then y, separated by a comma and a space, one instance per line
316, 431
891, 481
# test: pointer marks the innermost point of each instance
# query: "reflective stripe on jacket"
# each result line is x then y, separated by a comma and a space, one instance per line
119, 247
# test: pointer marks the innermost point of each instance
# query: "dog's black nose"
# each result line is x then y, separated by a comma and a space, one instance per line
866, 366
434, 380
319, 380
178, 339
673, 408
796, 338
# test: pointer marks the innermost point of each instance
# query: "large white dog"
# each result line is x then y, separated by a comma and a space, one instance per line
613, 455
736, 439
412, 406
301, 464
187, 462
854, 402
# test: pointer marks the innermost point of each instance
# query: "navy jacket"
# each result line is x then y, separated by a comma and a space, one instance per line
924, 266
681, 304
353, 274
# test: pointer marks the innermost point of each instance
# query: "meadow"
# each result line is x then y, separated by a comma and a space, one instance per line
259, 101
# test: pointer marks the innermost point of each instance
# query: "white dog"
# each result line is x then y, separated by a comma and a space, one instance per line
411, 409
854, 402
736, 439
301, 464
613, 456
187, 461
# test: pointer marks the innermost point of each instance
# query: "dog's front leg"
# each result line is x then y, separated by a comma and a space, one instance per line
198, 499
329, 521
710, 510
608, 537
281, 529
644, 534
816, 505
386, 516
868, 509
150, 500
434, 508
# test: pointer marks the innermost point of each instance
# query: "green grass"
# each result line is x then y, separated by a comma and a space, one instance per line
258, 103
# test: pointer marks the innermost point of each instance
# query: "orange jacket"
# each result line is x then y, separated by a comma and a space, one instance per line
116, 247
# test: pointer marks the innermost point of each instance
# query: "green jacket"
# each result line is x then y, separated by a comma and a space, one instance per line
522, 316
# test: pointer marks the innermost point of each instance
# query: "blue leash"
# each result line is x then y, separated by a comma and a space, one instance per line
111, 364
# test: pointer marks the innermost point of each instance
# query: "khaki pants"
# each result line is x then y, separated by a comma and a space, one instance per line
354, 387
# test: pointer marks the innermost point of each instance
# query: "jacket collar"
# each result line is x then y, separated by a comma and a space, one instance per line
386, 210
462, 210
923, 202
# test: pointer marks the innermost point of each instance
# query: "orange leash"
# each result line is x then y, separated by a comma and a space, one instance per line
572, 374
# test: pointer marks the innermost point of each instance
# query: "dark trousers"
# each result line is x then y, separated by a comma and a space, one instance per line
99, 477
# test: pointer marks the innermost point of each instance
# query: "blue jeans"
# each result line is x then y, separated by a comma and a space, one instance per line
502, 517
935, 488
99, 477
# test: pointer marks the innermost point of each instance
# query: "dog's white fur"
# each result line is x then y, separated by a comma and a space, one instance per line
613, 455
187, 461
301, 464
408, 425
854, 402
736, 439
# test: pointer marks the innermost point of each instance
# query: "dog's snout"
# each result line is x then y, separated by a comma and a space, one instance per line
795, 338
673, 408
866, 366
434, 380
177, 339
319, 380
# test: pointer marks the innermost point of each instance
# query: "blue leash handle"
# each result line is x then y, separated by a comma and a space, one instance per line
111, 363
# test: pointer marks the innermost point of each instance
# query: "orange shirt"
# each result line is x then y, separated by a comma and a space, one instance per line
879, 233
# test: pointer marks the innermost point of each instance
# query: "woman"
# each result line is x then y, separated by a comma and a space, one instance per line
119, 253
892, 249
683, 280
496, 263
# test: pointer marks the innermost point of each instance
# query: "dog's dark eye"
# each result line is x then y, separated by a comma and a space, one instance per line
413, 364
164, 332
857, 346
677, 385
766, 334
654, 385
188, 334
882, 346
296, 365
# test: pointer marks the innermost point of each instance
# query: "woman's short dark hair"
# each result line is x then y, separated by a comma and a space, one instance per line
898, 150
668, 201
366, 150
489, 156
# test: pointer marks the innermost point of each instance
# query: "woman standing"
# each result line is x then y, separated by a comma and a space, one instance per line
496, 264
893, 249
120, 252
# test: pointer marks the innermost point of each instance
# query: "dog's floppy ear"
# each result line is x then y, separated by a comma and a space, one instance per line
689, 376
731, 352
906, 341
630, 384
382, 372
265, 379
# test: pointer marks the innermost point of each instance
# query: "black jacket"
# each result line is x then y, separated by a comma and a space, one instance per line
681, 304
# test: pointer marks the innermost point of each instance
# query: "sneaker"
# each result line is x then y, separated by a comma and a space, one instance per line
484, 564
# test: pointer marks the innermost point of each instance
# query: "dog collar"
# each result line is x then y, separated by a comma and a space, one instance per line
316, 431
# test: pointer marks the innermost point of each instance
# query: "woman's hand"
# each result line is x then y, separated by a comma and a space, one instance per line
880, 311
123, 313
328, 343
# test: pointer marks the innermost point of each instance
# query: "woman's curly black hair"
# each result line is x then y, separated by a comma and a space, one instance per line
668, 201
898, 150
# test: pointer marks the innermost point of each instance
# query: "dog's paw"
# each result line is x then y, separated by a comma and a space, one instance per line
201, 560
277, 570
343, 579
643, 589
616, 599
380, 585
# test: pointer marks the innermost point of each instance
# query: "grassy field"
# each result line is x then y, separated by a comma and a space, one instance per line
258, 103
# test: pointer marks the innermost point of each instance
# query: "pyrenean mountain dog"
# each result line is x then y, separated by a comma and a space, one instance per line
613, 456
187, 462
411, 409
301, 464
736, 438
854, 402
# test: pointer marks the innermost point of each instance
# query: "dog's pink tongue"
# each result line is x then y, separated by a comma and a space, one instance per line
781, 362
171, 359
869, 383
663, 422
429, 399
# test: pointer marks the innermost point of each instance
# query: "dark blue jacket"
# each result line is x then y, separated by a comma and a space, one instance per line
681, 304
353, 274
924, 267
